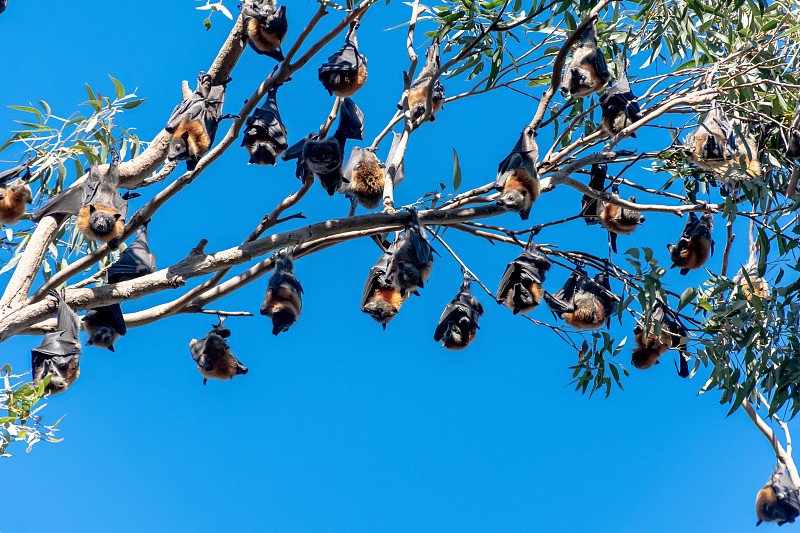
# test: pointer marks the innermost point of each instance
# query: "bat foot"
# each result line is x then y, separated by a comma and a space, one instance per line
384, 327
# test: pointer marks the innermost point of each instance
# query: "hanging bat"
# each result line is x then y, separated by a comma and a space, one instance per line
14, 198
591, 208
619, 106
324, 158
650, 347
135, 261
381, 299
695, 245
583, 302
345, 72
193, 123
283, 300
587, 72
266, 27
748, 278
412, 258
619, 220
104, 325
213, 355
265, 133
777, 501
60, 353
517, 177
96, 200
713, 142
365, 175
459, 322
418, 93
521, 285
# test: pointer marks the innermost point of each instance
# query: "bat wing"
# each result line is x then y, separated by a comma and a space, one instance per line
211, 110
598, 62
400, 173
268, 117
510, 276
116, 319
453, 311
785, 490
602, 288
135, 261
69, 202
432, 64
11, 174
351, 121
557, 305
65, 341
350, 167
420, 245
295, 151
590, 207
347, 58
377, 277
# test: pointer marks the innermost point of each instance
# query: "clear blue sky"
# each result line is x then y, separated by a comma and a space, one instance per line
340, 426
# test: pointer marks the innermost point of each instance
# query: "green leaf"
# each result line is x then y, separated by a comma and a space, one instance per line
687, 296
456, 171
119, 89
133, 104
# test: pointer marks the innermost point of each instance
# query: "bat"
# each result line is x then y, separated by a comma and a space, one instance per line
777, 501
351, 122
295, 151
323, 157
619, 220
365, 178
265, 133
748, 278
418, 93
521, 285
193, 123
60, 352
96, 200
713, 142
266, 27
104, 325
651, 346
591, 208
213, 355
283, 300
14, 198
619, 106
381, 299
695, 245
135, 261
345, 72
583, 302
587, 72
459, 322
412, 258
517, 177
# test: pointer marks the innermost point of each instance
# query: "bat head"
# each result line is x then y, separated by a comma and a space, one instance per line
262, 151
102, 222
23, 190
513, 199
522, 298
179, 147
645, 357
63, 371
103, 337
323, 156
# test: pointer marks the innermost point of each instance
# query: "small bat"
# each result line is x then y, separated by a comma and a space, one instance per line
213, 355
412, 258
591, 208
193, 123
418, 93
15, 198
283, 300
517, 177
583, 302
265, 133
104, 325
619, 220
521, 285
778, 500
650, 347
588, 72
135, 261
266, 27
365, 178
60, 353
459, 322
323, 157
96, 200
619, 106
713, 142
345, 72
695, 245
381, 299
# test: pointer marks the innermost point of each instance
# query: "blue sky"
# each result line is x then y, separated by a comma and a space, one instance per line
340, 426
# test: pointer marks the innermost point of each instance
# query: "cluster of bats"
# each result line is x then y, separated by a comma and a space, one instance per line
405, 265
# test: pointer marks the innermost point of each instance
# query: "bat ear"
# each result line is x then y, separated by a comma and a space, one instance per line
111, 347
205, 380
92, 209
116, 217
89, 342
658, 362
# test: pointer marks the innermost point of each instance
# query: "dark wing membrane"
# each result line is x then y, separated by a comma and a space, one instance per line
12, 174
377, 277
69, 202
400, 173
590, 207
64, 341
452, 312
347, 58
352, 162
116, 318
351, 121
135, 261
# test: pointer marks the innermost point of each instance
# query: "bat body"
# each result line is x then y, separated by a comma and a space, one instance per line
60, 352
213, 355
265, 133
459, 322
104, 326
381, 299
283, 300
695, 245
652, 345
266, 27
592, 208
365, 175
412, 258
100, 208
345, 72
521, 285
620, 220
777, 501
135, 261
713, 142
583, 302
418, 93
619, 106
517, 177
14, 199
193, 124
324, 158
587, 72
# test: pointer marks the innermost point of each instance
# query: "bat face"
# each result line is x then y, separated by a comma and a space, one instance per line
588, 72
104, 326
521, 285
621, 220
262, 151
366, 178
193, 123
103, 337
14, 201
63, 372
381, 299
